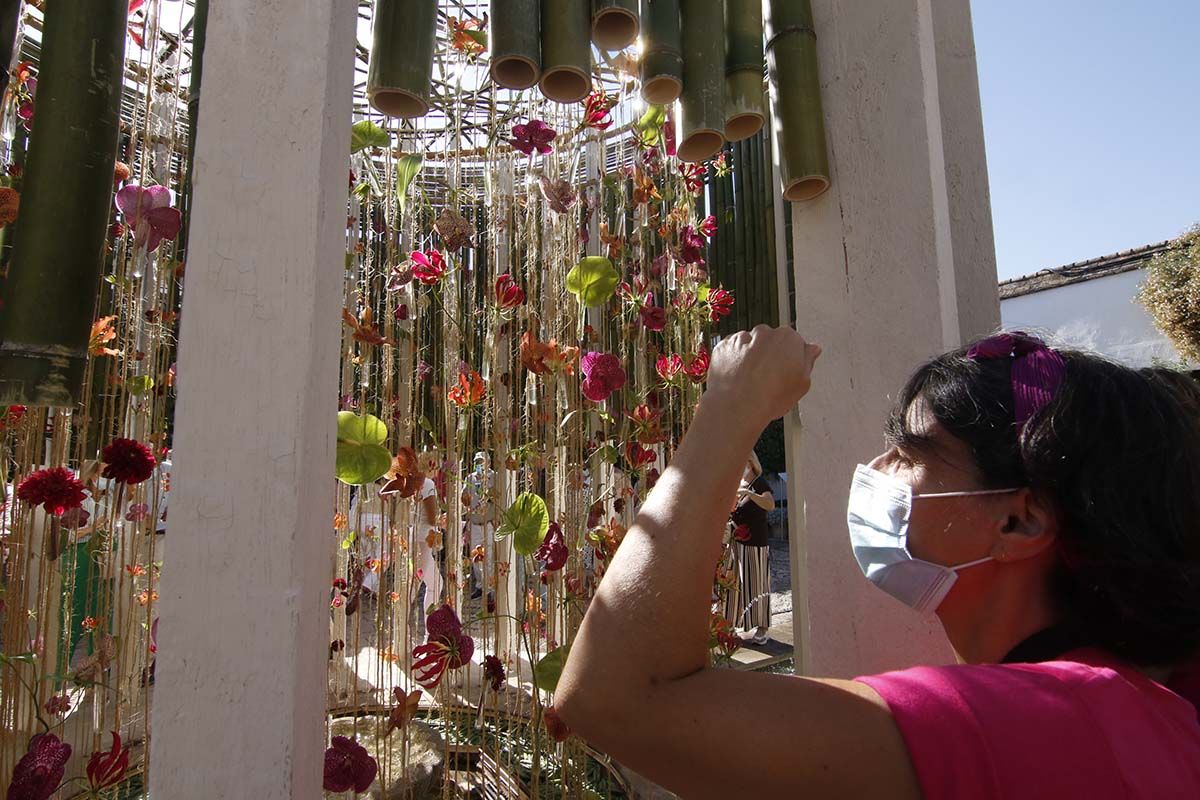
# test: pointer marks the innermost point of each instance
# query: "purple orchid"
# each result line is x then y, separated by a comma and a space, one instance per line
533, 135
149, 213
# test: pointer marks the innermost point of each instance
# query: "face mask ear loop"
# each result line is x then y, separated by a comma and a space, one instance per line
975, 563
968, 493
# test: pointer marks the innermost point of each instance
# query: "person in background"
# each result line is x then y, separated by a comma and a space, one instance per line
748, 604
427, 543
1043, 504
480, 511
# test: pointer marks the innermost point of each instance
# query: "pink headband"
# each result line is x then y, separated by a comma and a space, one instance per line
1037, 371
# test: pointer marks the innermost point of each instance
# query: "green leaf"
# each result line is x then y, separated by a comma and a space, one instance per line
650, 126
608, 454
593, 280
364, 429
366, 134
140, 384
702, 292
407, 168
361, 456
527, 521
549, 667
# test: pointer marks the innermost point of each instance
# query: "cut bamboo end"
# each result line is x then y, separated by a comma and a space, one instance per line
398, 103
744, 125
662, 90
515, 72
565, 84
615, 28
700, 145
809, 187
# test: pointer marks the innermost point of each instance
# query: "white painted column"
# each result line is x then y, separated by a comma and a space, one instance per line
893, 265
243, 643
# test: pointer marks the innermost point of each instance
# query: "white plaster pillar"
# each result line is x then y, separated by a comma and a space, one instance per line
893, 265
243, 642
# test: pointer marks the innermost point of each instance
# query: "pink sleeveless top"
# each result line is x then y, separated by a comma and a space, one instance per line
1085, 726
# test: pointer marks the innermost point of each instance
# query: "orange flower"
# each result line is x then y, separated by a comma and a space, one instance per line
10, 204
477, 554
543, 357
393, 597
470, 390
615, 244
467, 36
340, 522
135, 570
102, 334
365, 329
434, 540
147, 596
89, 623
644, 189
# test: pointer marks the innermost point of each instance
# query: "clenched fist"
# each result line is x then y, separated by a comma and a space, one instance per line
763, 372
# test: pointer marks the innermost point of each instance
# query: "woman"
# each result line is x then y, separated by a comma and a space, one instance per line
1045, 505
427, 543
748, 603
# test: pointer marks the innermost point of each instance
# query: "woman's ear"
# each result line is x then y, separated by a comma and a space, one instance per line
1026, 526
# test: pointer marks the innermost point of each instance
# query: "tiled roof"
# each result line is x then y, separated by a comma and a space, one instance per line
1080, 271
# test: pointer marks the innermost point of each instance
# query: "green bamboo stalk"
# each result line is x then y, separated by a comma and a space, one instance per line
10, 16
615, 23
746, 102
515, 38
662, 56
401, 70
566, 50
59, 252
702, 104
796, 99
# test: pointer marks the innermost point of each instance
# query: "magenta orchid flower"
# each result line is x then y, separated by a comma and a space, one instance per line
533, 135
602, 375
149, 213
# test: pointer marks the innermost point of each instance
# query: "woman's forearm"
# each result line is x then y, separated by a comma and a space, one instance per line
649, 621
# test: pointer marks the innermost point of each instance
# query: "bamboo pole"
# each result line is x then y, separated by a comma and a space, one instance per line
615, 23
796, 99
401, 70
746, 102
702, 104
662, 56
515, 38
566, 50
59, 252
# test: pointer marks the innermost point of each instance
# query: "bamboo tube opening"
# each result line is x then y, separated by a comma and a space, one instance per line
700, 145
615, 28
515, 72
662, 90
565, 84
398, 103
744, 125
809, 187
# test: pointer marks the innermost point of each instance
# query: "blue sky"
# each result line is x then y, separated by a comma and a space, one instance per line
1092, 116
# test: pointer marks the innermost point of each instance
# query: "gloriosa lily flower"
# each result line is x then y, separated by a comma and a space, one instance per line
470, 390
364, 327
105, 769
697, 368
669, 367
508, 294
691, 246
647, 425
429, 266
148, 211
553, 551
693, 176
102, 334
541, 358
597, 110
720, 304
446, 647
639, 456
708, 227
533, 135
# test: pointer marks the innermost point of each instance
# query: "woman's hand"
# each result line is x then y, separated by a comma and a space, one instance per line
763, 372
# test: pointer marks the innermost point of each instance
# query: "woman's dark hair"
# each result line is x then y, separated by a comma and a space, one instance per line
1117, 451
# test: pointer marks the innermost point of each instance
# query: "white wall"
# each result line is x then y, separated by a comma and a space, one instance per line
1101, 315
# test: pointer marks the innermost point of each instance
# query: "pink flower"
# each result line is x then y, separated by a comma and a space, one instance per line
533, 135
40, 770
652, 316
508, 294
553, 550
720, 304
602, 375
708, 227
348, 766
697, 368
424, 371
137, 512
430, 266
669, 367
148, 211
446, 647
58, 705
693, 176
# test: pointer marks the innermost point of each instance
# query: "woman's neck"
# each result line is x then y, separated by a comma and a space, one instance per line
984, 629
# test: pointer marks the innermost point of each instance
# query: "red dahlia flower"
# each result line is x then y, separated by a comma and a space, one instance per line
55, 489
127, 461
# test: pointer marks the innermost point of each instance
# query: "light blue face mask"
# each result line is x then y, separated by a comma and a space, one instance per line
878, 515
